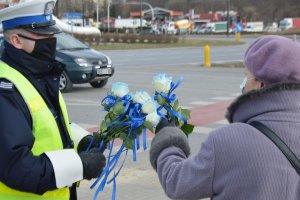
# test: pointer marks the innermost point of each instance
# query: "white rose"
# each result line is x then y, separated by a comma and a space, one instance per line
162, 83
148, 107
153, 118
142, 97
120, 89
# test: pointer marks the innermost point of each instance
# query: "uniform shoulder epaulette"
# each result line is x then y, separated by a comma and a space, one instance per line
6, 85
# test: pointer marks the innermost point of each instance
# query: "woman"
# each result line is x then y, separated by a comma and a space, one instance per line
238, 161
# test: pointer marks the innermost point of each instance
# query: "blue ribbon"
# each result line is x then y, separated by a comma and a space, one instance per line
137, 139
178, 115
136, 118
134, 150
145, 139
109, 101
169, 98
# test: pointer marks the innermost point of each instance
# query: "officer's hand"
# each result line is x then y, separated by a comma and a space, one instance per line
85, 142
164, 123
93, 163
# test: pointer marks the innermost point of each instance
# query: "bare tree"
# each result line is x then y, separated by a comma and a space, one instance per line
262, 10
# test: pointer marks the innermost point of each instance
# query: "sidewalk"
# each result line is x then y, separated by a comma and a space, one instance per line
138, 180
132, 184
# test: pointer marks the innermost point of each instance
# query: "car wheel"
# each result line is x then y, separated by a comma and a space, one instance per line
65, 84
99, 84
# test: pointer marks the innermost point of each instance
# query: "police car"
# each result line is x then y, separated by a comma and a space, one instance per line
83, 64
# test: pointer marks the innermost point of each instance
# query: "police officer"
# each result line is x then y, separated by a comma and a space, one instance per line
37, 156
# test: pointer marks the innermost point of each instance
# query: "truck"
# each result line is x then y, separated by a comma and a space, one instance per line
254, 27
216, 27
129, 23
288, 23
177, 27
271, 27
184, 26
220, 27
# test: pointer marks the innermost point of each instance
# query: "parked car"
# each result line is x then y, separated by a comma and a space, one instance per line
83, 64
151, 31
1, 42
205, 30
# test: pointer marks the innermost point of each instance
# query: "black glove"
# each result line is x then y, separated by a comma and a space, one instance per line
85, 142
164, 123
93, 163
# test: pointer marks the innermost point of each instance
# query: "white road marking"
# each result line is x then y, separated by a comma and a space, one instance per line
201, 103
202, 130
222, 98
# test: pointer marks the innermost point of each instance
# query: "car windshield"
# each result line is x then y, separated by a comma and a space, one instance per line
67, 42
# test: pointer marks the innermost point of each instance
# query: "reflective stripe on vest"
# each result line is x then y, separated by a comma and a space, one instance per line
44, 128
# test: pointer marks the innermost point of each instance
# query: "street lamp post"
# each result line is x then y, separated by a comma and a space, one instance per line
141, 22
108, 5
97, 10
228, 17
82, 13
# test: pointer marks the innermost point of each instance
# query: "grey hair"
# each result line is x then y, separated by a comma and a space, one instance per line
9, 32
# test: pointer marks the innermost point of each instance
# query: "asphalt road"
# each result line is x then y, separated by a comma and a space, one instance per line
137, 67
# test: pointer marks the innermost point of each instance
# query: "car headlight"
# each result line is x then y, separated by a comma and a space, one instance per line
83, 62
108, 60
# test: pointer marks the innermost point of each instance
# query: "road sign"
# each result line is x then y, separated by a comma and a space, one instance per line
239, 27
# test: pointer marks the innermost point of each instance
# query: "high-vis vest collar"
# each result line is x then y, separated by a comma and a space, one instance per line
45, 131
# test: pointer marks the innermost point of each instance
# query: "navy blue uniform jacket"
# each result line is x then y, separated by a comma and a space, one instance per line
19, 168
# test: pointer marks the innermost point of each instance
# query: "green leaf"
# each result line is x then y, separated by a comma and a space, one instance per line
123, 136
128, 144
106, 118
148, 125
186, 113
176, 105
139, 130
103, 126
161, 101
132, 136
113, 116
187, 128
118, 108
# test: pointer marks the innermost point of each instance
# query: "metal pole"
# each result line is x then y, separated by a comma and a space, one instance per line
228, 17
97, 23
108, 5
143, 3
141, 23
56, 9
82, 13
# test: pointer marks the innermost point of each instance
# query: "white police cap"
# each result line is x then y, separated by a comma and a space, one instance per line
32, 15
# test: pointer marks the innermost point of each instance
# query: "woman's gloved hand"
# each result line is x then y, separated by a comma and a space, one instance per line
167, 135
164, 123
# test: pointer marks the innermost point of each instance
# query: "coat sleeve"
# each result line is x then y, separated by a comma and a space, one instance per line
19, 168
187, 178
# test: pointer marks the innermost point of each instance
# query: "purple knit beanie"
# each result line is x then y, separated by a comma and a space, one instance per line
273, 59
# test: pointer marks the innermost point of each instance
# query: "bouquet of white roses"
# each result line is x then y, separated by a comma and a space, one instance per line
128, 116
168, 102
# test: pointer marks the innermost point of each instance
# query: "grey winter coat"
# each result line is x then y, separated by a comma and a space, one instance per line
236, 161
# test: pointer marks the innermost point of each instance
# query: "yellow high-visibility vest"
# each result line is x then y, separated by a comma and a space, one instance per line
44, 129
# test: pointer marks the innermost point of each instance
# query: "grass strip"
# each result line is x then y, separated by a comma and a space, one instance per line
234, 64
180, 43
